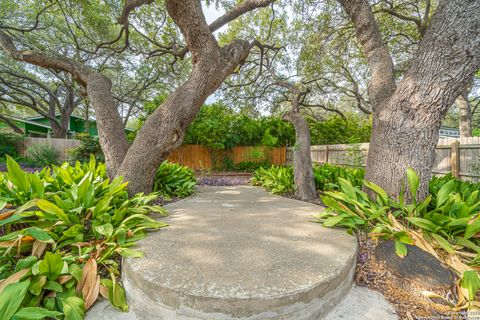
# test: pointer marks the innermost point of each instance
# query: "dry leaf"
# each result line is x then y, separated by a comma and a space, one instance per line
13, 278
6, 215
92, 295
38, 248
63, 279
89, 283
104, 291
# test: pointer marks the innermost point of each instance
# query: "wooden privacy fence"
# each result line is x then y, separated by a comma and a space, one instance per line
200, 157
62, 146
460, 157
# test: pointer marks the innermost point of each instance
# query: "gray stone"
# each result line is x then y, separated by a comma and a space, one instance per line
239, 253
359, 304
418, 268
363, 304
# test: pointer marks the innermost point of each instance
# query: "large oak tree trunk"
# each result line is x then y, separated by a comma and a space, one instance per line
393, 149
406, 121
302, 159
164, 130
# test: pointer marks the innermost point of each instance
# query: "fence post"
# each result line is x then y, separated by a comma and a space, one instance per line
455, 159
326, 154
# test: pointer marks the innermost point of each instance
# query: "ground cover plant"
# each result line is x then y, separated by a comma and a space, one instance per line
7, 145
327, 176
174, 180
41, 155
280, 180
446, 224
89, 145
275, 179
62, 233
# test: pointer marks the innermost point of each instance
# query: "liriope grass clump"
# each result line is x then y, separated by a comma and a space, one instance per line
174, 180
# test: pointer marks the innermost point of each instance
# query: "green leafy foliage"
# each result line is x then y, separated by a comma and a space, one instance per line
251, 166
174, 180
61, 230
7, 144
42, 155
227, 129
327, 176
337, 130
90, 145
446, 223
275, 179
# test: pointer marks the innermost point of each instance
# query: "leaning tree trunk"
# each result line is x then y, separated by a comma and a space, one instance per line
465, 115
302, 159
165, 129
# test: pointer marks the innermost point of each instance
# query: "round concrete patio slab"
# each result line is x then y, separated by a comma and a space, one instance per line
240, 253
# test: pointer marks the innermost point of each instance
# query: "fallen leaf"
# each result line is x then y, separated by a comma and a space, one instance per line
13, 278
63, 279
6, 215
89, 284
38, 248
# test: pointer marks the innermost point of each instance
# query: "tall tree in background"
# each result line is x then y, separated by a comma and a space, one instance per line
407, 116
55, 94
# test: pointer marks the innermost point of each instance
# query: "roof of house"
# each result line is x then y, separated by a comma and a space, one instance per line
57, 114
449, 128
30, 122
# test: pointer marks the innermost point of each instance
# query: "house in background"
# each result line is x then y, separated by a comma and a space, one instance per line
39, 126
449, 132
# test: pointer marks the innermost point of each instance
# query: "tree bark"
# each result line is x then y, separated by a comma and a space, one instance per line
382, 82
302, 160
110, 129
11, 124
465, 115
164, 130
405, 130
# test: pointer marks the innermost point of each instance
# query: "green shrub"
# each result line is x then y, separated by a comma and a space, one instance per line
281, 179
90, 146
445, 224
174, 180
327, 176
251, 166
42, 155
7, 144
61, 237
337, 130
228, 164
275, 179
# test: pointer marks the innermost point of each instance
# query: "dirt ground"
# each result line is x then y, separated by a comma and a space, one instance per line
407, 300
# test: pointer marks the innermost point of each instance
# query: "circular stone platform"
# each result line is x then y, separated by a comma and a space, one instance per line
240, 253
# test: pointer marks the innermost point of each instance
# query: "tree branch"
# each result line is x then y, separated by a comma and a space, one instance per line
382, 84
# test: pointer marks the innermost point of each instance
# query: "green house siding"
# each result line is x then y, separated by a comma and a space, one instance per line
33, 130
29, 128
43, 121
76, 125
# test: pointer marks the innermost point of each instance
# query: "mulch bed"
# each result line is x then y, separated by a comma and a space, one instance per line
224, 179
408, 301
3, 168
